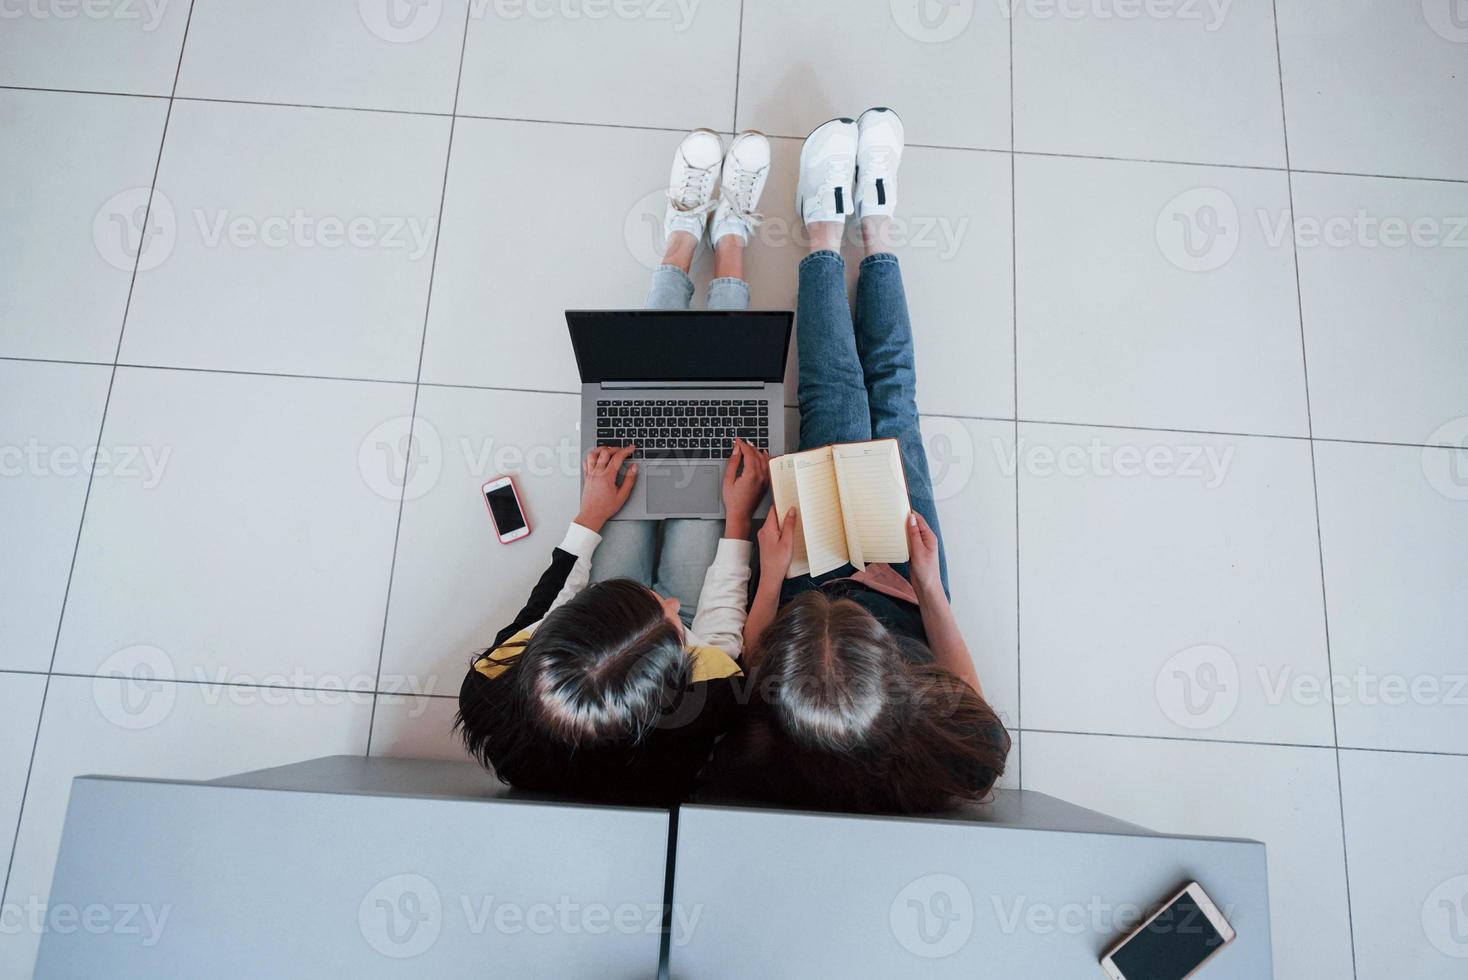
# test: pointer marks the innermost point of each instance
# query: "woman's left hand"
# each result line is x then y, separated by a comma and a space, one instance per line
746, 479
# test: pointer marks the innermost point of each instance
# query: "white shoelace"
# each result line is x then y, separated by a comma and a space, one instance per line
881, 161
696, 185
743, 194
837, 175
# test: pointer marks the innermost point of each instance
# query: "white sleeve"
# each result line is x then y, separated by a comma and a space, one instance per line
724, 603
581, 542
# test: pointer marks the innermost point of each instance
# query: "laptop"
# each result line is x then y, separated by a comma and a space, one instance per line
680, 385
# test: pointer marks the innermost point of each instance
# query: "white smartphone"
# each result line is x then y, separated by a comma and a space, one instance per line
1174, 943
503, 501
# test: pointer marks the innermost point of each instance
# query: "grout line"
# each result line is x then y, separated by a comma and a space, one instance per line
342, 692
1335, 735
559, 391
417, 378
1438, 753
1182, 738
92, 472
675, 129
312, 105
1019, 698
571, 122
527, 391
1243, 741
1159, 428
264, 374
53, 360
738, 65
80, 91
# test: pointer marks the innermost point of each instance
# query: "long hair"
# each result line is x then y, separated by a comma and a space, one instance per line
842, 720
594, 679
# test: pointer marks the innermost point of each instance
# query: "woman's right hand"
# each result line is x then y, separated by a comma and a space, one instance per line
776, 546
922, 562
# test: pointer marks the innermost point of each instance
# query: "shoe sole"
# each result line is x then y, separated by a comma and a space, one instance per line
878, 108
844, 119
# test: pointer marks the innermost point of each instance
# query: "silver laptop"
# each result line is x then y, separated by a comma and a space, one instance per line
680, 385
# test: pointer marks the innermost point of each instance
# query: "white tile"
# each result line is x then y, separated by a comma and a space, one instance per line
498, 297
50, 415
1157, 295
1169, 585
974, 488
1011, 778
318, 52
1394, 573
1374, 87
255, 547
1383, 286
74, 178
1281, 795
948, 75
631, 63
294, 241
1197, 82
417, 728
454, 585
102, 47
952, 236
1408, 863
131, 725
20, 713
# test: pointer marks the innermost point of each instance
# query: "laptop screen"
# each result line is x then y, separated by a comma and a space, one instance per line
680, 345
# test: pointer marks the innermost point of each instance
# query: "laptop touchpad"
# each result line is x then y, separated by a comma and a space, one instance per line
674, 488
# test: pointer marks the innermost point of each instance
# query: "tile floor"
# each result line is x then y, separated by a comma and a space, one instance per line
1189, 281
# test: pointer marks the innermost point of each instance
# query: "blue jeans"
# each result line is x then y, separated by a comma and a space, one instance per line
630, 549
858, 380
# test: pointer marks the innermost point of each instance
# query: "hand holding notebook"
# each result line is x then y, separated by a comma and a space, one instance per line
851, 504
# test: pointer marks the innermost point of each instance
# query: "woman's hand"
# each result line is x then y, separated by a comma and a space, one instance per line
746, 479
923, 565
602, 496
776, 548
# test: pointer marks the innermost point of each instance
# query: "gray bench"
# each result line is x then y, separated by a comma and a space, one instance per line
351, 867
1028, 886
355, 867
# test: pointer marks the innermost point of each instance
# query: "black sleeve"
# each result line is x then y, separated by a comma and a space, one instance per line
542, 595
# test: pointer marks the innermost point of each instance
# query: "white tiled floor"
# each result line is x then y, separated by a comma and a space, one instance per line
1198, 420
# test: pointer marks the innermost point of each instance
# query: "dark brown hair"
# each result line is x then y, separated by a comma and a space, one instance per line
844, 718
590, 685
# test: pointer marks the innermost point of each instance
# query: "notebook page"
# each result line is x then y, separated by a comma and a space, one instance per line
874, 499
786, 496
820, 511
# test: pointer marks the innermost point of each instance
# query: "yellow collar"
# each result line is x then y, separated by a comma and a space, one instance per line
709, 663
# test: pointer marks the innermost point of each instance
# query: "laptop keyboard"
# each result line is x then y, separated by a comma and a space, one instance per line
682, 428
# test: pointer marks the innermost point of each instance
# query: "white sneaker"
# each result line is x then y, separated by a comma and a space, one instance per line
746, 168
878, 153
827, 168
691, 184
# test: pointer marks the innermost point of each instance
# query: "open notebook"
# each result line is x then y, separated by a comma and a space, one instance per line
851, 501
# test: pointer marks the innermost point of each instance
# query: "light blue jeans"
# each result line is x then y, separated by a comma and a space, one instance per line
675, 566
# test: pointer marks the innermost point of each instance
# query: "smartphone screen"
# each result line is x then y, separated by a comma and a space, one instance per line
1171, 946
505, 509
